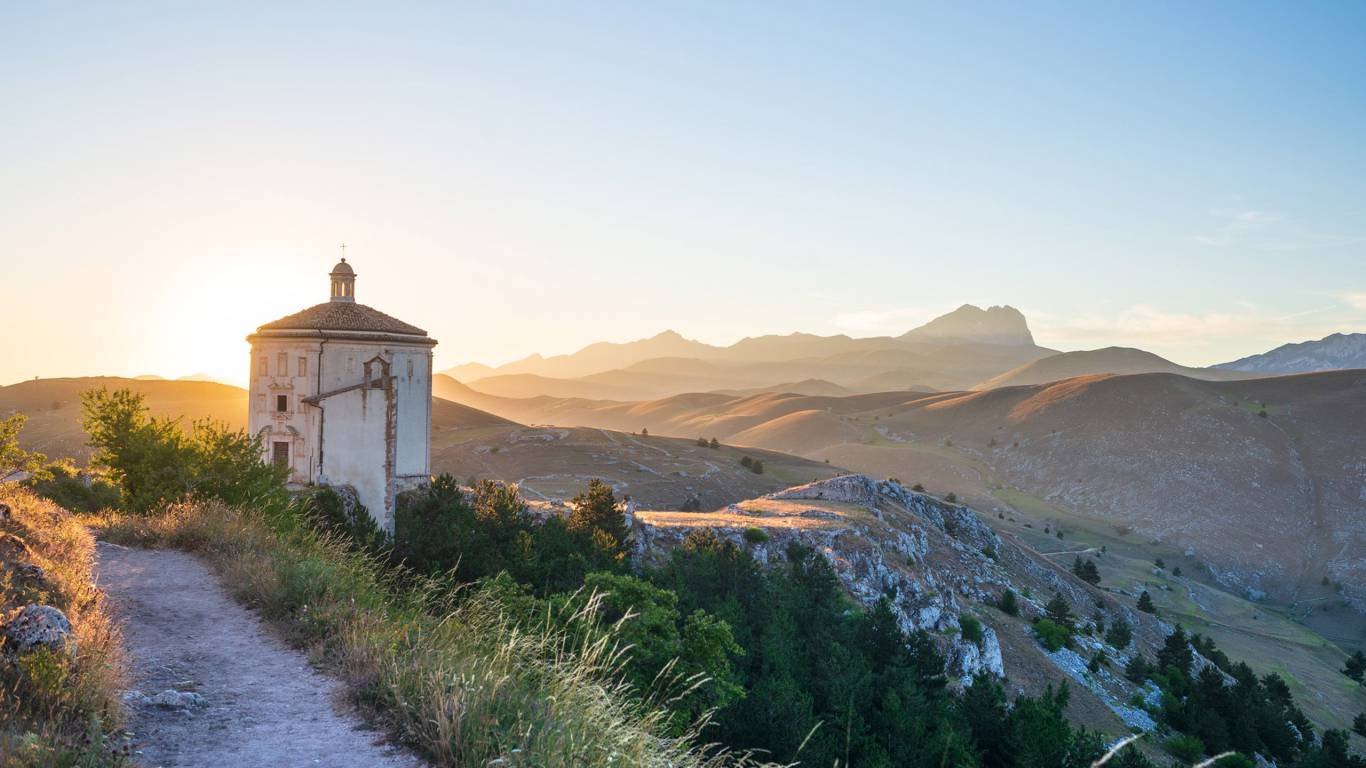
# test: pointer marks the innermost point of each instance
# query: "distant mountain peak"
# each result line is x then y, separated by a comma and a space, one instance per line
1332, 352
994, 325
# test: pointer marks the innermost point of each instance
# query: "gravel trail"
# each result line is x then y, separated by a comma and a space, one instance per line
212, 686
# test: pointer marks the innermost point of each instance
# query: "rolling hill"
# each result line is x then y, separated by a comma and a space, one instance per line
1110, 360
53, 407
1269, 504
549, 463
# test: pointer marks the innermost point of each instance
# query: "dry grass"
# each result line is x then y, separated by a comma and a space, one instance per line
450, 675
56, 709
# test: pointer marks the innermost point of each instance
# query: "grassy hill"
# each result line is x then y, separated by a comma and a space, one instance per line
53, 407
549, 463
1111, 360
1270, 503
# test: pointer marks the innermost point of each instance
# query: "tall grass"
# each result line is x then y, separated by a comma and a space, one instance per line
454, 676
56, 709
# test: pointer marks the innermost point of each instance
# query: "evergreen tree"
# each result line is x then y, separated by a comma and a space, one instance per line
1060, 611
1359, 725
1120, 634
1086, 571
596, 508
1145, 603
1356, 666
1138, 669
1176, 652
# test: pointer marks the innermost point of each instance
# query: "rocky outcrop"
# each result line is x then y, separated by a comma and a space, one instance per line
929, 558
37, 626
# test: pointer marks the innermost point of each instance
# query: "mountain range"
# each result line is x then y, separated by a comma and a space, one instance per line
1334, 352
968, 348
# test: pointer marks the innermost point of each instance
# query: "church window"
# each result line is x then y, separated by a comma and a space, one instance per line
262, 366
303, 366
282, 364
350, 365
279, 453
410, 369
281, 403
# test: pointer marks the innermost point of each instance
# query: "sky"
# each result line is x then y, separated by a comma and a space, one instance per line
1189, 178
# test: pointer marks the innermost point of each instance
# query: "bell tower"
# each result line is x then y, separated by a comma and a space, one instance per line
343, 282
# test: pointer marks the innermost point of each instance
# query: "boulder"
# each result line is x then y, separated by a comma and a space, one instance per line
37, 626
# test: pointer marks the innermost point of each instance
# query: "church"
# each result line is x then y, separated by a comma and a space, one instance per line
341, 394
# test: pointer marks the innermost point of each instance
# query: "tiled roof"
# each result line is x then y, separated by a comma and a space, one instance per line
342, 316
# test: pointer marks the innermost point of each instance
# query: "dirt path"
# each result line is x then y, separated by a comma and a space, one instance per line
261, 703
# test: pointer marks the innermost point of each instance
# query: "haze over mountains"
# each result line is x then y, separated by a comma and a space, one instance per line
968, 348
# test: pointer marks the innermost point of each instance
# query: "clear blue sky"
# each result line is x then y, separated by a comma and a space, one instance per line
519, 177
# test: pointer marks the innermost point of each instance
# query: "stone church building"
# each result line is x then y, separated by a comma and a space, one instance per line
342, 394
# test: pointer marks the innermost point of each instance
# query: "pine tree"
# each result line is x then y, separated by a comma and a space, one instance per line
1009, 604
596, 508
1356, 666
1086, 571
1060, 611
1176, 652
1145, 603
1359, 724
1120, 634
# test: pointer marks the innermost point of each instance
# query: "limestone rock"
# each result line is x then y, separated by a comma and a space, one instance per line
37, 626
167, 699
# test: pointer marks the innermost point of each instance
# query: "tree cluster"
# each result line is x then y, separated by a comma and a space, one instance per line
153, 460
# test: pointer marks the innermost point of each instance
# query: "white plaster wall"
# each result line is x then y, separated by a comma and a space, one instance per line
349, 427
354, 448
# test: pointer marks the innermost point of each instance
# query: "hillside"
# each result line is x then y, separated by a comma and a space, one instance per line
940, 562
549, 463
1100, 447
1338, 351
1111, 360
553, 463
53, 407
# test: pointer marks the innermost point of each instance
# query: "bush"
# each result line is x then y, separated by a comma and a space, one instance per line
1053, 636
1186, 748
951, 498
970, 629
755, 535
153, 461
1010, 605
70, 489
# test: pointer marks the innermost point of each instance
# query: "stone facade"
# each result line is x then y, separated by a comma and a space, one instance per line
341, 394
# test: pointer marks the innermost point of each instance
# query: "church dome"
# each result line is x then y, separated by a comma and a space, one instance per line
340, 314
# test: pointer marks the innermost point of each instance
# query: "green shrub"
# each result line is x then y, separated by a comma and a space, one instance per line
1010, 605
970, 629
1053, 636
65, 486
1186, 748
755, 535
153, 461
